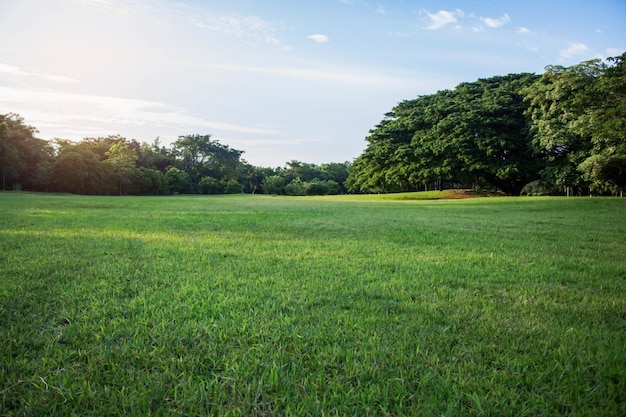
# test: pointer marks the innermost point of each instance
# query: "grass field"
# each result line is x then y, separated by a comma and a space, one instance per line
260, 305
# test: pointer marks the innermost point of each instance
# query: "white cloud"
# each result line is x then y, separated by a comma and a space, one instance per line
245, 27
572, 50
442, 18
52, 108
523, 30
121, 7
17, 72
343, 76
496, 23
319, 38
614, 51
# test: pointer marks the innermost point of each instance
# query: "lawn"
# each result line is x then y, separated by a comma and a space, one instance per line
262, 305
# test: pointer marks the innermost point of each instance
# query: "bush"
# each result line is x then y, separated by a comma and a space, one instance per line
316, 187
274, 184
538, 188
295, 187
320, 187
233, 187
210, 185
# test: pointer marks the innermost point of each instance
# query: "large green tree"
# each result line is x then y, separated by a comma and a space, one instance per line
388, 163
121, 163
579, 123
21, 153
199, 156
79, 170
477, 132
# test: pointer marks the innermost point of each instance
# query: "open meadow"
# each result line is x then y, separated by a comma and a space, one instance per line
249, 305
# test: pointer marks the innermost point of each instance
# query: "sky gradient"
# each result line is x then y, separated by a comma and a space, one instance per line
280, 80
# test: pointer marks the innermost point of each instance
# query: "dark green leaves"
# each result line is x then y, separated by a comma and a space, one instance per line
475, 133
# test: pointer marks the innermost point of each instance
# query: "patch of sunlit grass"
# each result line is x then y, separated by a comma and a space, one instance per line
261, 305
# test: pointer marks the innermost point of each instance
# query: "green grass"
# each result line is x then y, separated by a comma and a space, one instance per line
261, 305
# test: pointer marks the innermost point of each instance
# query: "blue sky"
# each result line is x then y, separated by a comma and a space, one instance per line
281, 79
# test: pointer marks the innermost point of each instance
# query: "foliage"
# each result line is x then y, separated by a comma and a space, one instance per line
579, 124
200, 156
178, 181
120, 160
115, 165
476, 132
233, 187
20, 153
565, 127
343, 305
210, 185
295, 187
274, 184
538, 188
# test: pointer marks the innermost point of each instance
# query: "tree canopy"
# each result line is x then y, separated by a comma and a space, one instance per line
115, 165
565, 127
562, 130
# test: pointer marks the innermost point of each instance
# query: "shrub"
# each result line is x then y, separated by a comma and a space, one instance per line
538, 188
233, 187
210, 185
274, 184
295, 187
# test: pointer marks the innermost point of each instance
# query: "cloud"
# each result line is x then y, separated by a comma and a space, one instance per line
614, 51
114, 6
341, 76
442, 18
572, 50
17, 72
496, 23
60, 109
244, 27
523, 30
319, 38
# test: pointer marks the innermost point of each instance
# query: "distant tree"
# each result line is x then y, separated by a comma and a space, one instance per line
155, 156
255, 177
295, 187
101, 145
200, 156
147, 182
79, 170
43, 173
210, 185
232, 187
274, 184
338, 172
321, 187
178, 181
9, 160
20, 152
121, 160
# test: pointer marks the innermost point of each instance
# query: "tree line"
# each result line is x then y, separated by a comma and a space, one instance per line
562, 131
114, 165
